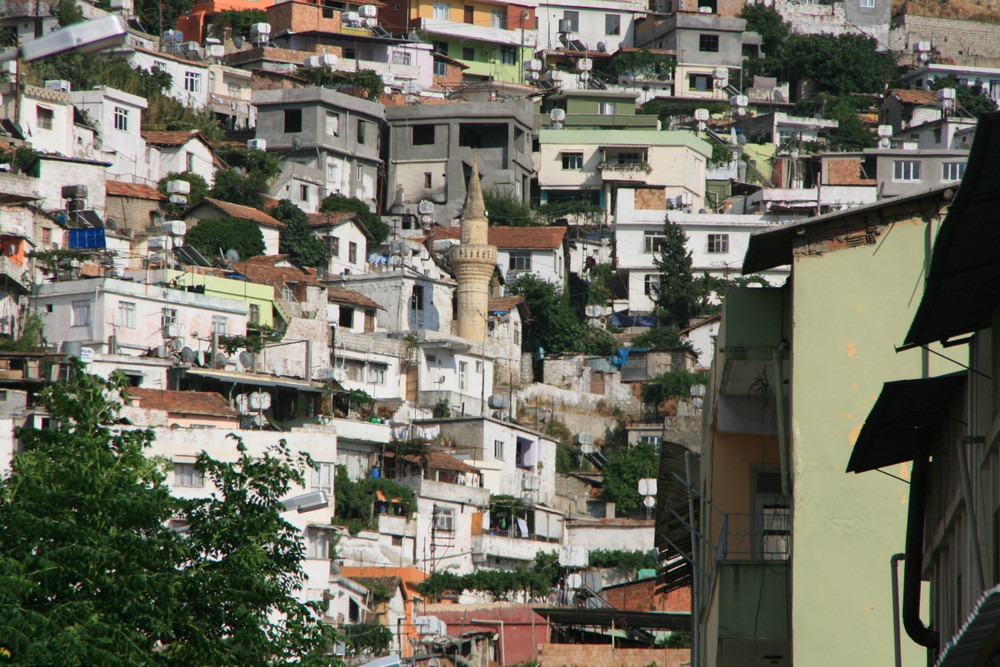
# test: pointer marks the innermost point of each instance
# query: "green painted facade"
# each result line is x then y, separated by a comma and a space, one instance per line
253, 294
487, 58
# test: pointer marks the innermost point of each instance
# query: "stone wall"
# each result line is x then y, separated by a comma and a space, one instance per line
972, 43
604, 655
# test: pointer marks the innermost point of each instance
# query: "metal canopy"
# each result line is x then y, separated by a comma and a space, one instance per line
258, 380
975, 642
963, 283
617, 618
907, 417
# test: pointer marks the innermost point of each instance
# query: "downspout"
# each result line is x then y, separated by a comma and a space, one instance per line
915, 628
897, 644
776, 355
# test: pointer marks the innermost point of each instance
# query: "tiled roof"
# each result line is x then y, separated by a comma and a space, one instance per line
329, 219
504, 303
136, 190
182, 402
915, 96
263, 270
173, 138
352, 297
244, 213
391, 584
438, 460
511, 237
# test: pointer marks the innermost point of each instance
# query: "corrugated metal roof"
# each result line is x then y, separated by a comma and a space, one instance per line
976, 634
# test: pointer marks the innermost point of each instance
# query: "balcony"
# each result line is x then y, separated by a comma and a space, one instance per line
455, 493
752, 599
633, 168
481, 33
505, 545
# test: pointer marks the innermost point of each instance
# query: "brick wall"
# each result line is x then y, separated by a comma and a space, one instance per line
642, 596
649, 199
846, 171
604, 655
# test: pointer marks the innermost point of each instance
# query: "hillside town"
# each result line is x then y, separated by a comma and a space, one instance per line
551, 333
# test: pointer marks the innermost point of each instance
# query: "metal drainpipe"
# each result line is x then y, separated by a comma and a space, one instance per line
776, 356
897, 643
915, 627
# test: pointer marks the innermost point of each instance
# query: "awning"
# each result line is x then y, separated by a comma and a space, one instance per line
616, 146
963, 283
975, 642
907, 416
618, 618
257, 380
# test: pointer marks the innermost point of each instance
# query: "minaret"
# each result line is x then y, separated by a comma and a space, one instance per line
473, 261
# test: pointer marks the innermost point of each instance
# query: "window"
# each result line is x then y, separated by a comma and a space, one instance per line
121, 119
508, 55
417, 298
376, 373
952, 171
574, 20
185, 474
470, 14
359, 174
192, 82
189, 161
81, 313
168, 317
572, 160
652, 242
520, 260
440, 47
219, 324
423, 135
352, 252
333, 124
651, 284
699, 82
43, 118
361, 131
126, 314
498, 19
468, 53
612, 24
321, 478
354, 369
498, 450
444, 519
442, 11
606, 108
440, 68
293, 120
254, 313
369, 321
718, 242
400, 58
463, 372
317, 543
428, 180
332, 246
346, 317
304, 193
906, 170
708, 43
46, 235
867, 4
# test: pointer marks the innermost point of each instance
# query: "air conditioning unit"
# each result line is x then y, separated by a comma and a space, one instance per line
533, 65
412, 88
74, 192
584, 65
178, 187
529, 483
215, 51
583, 439
352, 17
260, 29
157, 242
323, 60
721, 73
60, 84
368, 11
369, 22
178, 200
257, 145
425, 207
175, 227
704, 10
739, 100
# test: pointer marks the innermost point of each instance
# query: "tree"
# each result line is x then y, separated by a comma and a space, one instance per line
212, 237
659, 338
159, 15
199, 187
506, 210
237, 20
373, 223
297, 238
838, 64
555, 324
671, 384
622, 472
247, 180
92, 574
974, 99
766, 22
677, 296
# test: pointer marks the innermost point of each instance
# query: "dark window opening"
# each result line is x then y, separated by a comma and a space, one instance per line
482, 135
468, 53
708, 43
423, 135
293, 120
346, 317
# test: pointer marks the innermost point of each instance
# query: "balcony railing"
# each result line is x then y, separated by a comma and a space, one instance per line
765, 536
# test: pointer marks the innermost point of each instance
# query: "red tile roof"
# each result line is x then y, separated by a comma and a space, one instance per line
171, 138
511, 237
263, 270
351, 297
181, 402
136, 190
436, 459
330, 219
389, 584
243, 212
504, 303
915, 96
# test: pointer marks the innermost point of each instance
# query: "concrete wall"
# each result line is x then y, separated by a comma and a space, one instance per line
976, 46
605, 655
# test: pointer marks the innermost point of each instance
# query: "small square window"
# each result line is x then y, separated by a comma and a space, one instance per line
906, 171
333, 124
121, 119
574, 20
520, 260
651, 284
219, 324
192, 82
43, 118
612, 24
468, 53
652, 242
317, 543
126, 315
81, 313
508, 55
293, 120
186, 474
607, 108
708, 43
718, 242
572, 161
867, 4
952, 171
700, 82
440, 68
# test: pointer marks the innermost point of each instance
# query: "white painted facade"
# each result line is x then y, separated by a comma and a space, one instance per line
189, 80
117, 116
610, 534
195, 156
47, 119
921, 77
347, 248
55, 171
592, 22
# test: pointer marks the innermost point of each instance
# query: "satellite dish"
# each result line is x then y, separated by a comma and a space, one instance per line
649, 501
602, 47
188, 356
176, 344
296, 142
246, 359
201, 358
221, 360
111, 224
238, 41
232, 256
238, 171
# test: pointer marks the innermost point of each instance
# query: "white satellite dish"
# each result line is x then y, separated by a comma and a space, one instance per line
200, 360
649, 501
246, 359
188, 356
232, 256
221, 360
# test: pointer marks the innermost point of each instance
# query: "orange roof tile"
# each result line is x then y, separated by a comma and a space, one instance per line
243, 212
505, 303
510, 237
330, 219
171, 138
262, 269
136, 190
351, 297
182, 402
915, 96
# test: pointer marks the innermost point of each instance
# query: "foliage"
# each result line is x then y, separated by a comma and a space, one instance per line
498, 584
233, 344
93, 574
68, 13
622, 472
851, 133
199, 186
670, 384
504, 209
356, 499
624, 561
666, 109
507, 503
212, 237
371, 638
297, 238
555, 325
155, 16
237, 20
373, 223
680, 639
551, 212
768, 23
974, 99
32, 336
677, 296
565, 461
659, 338
599, 288
352, 399
22, 159
643, 65
246, 181
721, 154
366, 81
838, 64
441, 409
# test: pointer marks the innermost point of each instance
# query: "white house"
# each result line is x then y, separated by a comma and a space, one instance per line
538, 251
189, 79
117, 117
180, 151
47, 119
270, 228
593, 23
346, 241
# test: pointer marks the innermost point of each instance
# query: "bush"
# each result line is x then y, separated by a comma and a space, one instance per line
214, 236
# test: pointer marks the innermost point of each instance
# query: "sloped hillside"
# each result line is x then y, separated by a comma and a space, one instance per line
984, 10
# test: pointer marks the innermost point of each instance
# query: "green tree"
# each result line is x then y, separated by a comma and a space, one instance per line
555, 325
974, 99
364, 83
766, 22
212, 237
297, 238
248, 177
199, 187
506, 210
92, 574
373, 223
659, 338
622, 472
840, 65
237, 20
671, 384
642, 64
678, 295
155, 16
